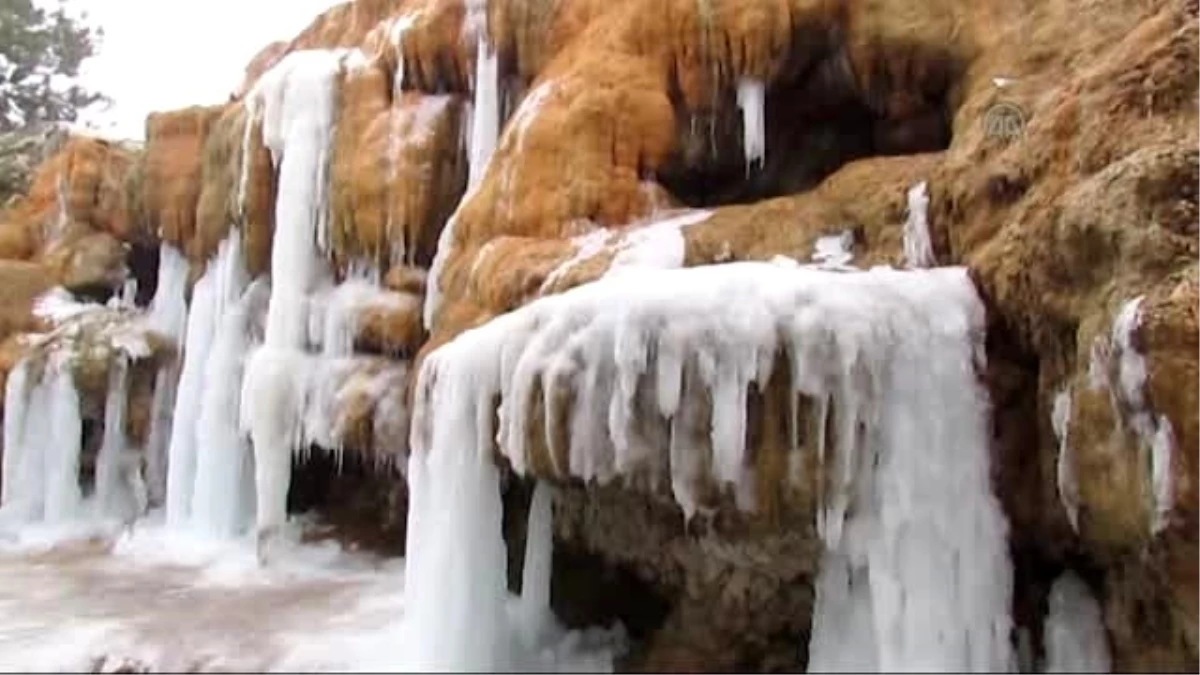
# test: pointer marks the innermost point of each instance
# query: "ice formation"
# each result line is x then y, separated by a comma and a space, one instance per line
834, 251
909, 511
167, 316
657, 243
1075, 638
120, 488
485, 131
918, 249
42, 435
297, 99
1118, 366
191, 453
1068, 487
751, 99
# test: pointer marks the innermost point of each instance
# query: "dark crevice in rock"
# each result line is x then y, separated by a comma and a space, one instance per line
819, 116
142, 263
359, 504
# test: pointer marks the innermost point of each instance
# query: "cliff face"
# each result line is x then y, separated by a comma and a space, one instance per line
1050, 145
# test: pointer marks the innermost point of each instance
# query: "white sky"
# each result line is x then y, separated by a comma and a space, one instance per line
167, 54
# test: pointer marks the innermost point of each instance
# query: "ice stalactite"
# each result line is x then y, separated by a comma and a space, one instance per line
917, 570
168, 316
485, 132
455, 588
120, 489
213, 296
1075, 638
298, 110
1068, 486
399, 252
63, 440
223, 497
918, 248
17, 392
751, 99
535, 614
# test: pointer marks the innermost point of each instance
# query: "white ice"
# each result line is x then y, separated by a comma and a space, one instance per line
834, 251
751, 99
657, 243
1068, 486
918, 248
190, 452
485, 131
43, 435
1074, 631
1154, 431
892, 355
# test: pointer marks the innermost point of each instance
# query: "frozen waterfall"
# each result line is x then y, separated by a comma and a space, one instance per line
917, 574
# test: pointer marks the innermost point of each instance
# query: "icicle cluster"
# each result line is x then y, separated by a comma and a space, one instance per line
889, 357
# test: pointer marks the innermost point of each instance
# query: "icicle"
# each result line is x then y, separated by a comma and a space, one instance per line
168, 316
112, 485
751, 98
536, 615
455, 587
1075, 637
221, 505
918, 249
485, 130
224, 281
63, 435
1068, 488
298, 99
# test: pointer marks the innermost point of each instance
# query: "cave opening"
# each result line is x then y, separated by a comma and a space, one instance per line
819, 115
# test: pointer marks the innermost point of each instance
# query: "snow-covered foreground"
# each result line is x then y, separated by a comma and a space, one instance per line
165, 602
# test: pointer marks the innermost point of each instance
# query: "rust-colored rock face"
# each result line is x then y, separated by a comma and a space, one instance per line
1057, 140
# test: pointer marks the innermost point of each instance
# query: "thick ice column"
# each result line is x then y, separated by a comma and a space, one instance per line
16, 405
62, 441
536, 572
168, 316
455, 587
212, 298
297, 98
181, 458
113, 492
221, 504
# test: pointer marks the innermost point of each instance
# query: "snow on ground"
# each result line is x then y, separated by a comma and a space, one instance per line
153, 599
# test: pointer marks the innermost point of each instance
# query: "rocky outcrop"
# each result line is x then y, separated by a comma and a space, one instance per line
1056, 144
